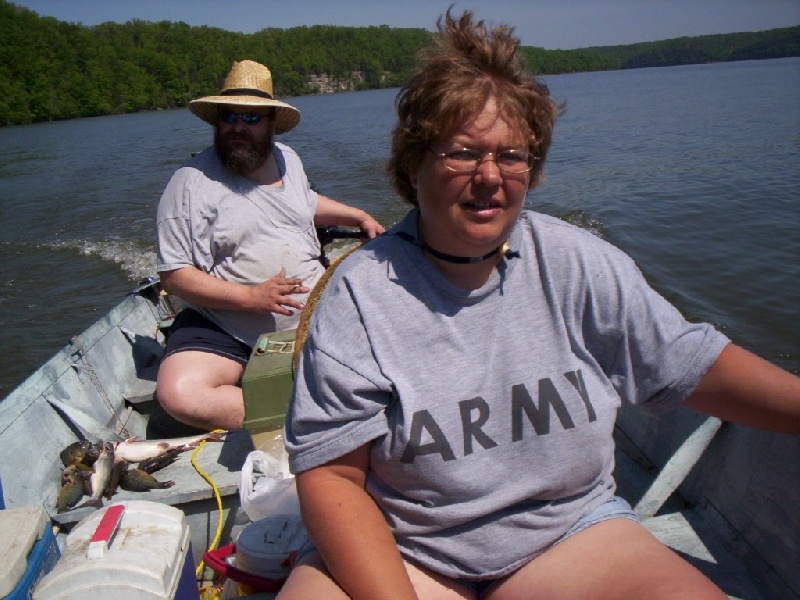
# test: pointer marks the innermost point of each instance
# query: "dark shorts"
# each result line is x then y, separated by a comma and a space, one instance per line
192, 331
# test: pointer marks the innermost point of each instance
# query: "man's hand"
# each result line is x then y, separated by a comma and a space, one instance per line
331, 212
371, 227
275, 295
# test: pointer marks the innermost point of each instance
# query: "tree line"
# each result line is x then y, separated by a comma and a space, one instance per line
51, 69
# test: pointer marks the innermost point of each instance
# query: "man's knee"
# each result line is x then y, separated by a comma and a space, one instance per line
174, 386
170, 398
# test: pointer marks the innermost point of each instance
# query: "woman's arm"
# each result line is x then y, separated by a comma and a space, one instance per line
350, 531
743, 388
331, 212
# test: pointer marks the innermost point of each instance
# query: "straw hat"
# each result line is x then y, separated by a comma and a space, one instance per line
248, 84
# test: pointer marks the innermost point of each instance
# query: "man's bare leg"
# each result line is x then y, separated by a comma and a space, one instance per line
201, 389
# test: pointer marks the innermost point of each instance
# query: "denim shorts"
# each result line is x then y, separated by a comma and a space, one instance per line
193, 331
615, 508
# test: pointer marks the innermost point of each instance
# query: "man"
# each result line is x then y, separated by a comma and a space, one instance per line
237, 242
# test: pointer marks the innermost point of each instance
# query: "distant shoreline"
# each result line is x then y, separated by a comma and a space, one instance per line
65, 70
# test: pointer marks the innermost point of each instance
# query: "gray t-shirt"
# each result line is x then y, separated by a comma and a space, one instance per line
232, 228
490, 412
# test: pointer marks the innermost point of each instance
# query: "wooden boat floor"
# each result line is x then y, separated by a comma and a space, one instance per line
220, 461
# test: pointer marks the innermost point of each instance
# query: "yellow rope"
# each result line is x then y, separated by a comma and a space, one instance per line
210, 592
218, 497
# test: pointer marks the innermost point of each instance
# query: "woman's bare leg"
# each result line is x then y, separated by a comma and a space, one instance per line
617, 559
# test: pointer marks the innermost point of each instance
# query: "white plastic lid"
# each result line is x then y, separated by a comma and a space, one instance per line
263, 546
144, 559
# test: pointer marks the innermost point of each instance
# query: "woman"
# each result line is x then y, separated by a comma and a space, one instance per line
451, 424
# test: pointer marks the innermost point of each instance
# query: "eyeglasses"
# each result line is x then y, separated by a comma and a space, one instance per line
467, 160
230, 117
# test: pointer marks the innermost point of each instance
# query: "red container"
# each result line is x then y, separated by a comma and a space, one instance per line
249, 583
263, 555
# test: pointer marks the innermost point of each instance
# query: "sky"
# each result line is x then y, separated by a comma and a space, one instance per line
551, 24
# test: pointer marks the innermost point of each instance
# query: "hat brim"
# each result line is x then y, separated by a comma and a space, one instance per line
286, 116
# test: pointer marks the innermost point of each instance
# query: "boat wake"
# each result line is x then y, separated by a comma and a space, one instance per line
585, 221
136, 258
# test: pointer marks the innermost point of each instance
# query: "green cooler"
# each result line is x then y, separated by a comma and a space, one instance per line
267, 385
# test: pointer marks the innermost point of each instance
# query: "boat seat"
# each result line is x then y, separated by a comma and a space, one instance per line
140, 390
147, 353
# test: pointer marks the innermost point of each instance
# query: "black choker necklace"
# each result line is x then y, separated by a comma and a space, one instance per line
502, 250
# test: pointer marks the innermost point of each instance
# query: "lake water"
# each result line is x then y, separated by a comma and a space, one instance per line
694, 171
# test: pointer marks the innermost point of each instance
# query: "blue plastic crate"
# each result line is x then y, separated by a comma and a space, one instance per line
41, 560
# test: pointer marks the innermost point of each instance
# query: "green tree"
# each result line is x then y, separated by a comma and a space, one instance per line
51, 69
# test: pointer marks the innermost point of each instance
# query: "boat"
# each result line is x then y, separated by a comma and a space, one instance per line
725, 497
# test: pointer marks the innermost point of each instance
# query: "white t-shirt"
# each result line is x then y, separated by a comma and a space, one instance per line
232, 228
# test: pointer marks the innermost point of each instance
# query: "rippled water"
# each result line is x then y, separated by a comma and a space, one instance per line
694, 171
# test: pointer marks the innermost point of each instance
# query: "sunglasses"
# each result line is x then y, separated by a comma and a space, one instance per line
230, 117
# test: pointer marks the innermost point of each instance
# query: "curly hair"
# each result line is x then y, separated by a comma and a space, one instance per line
467, 64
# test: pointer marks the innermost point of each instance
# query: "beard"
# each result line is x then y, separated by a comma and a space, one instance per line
242, 153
